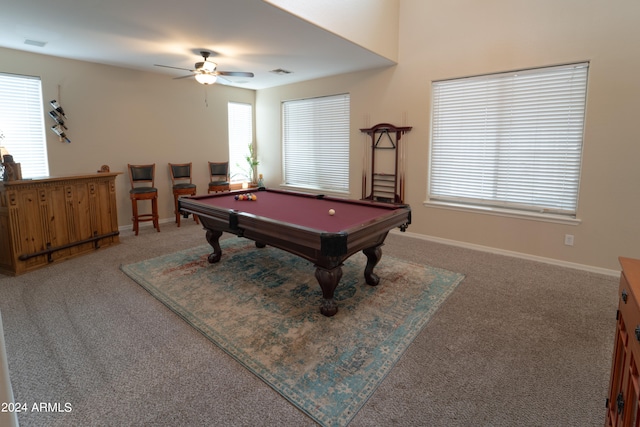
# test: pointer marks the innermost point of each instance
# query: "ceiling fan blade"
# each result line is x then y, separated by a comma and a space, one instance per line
223, 80
169, 66
183, 77
234, 73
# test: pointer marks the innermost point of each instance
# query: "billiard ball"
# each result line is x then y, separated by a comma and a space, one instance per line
332, 212
246, 196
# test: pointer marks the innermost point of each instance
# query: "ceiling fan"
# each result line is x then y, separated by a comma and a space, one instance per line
206, 71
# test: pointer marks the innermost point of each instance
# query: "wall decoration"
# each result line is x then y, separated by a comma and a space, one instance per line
58, 115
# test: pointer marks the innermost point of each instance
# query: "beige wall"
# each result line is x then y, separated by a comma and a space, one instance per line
372, 24
118, 116
440, 40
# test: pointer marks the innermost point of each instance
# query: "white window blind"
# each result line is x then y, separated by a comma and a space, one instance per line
316, 142
240, 118
510, 140
22, 123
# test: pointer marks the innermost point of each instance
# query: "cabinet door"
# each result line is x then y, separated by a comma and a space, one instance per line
29, 225
79, 204
105, 214
6, 245
72, 222
631, 396
630, 380
621, 355
55, 210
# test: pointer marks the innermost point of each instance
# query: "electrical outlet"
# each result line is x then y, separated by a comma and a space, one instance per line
568, 239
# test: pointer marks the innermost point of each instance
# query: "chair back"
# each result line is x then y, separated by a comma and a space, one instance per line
219, 171
180, 171
142, 174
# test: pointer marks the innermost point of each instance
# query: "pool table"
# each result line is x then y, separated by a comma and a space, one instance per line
301, 224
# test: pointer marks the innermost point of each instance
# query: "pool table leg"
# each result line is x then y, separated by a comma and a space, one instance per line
373, 257
213, 237
328, 280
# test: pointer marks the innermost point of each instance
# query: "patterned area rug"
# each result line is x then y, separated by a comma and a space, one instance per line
262, 307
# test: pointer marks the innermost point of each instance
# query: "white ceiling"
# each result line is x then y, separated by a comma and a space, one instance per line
246, 35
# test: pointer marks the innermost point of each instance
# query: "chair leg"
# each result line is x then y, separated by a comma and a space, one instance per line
154, 210
134, 209
175, 207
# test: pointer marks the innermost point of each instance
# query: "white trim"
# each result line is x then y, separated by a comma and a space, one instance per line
488, 210
332, 193
567, 264
129, 227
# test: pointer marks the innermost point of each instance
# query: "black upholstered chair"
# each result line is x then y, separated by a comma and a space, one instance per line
219, 177
182, 185
142, 179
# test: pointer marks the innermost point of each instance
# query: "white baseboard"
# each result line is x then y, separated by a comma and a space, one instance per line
592, 269
129, 227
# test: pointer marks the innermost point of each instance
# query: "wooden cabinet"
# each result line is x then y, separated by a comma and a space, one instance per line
624, 391
49, 219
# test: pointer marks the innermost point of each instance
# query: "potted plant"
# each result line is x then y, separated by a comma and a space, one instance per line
252, 162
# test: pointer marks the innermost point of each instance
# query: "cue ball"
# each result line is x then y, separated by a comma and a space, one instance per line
332, 212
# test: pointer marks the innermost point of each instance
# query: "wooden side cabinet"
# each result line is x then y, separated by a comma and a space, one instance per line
55, 218
624, 392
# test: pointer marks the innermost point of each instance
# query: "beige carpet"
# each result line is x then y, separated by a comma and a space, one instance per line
261, 306
518, 343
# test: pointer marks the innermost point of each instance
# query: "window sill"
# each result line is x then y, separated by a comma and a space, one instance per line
486, 210
339, 194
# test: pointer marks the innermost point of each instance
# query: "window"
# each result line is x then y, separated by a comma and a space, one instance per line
240, 138
510, 140
22, 123
316, 143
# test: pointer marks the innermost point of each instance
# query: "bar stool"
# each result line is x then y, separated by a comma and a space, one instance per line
180, 173
143, 174
219, 174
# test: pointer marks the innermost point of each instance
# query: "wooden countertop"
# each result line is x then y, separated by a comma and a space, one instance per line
58, 178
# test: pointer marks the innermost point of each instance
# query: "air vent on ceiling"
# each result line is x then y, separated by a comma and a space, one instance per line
280, 71
35, 43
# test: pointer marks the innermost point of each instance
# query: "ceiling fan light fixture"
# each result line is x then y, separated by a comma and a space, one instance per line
209, 67
206, 79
